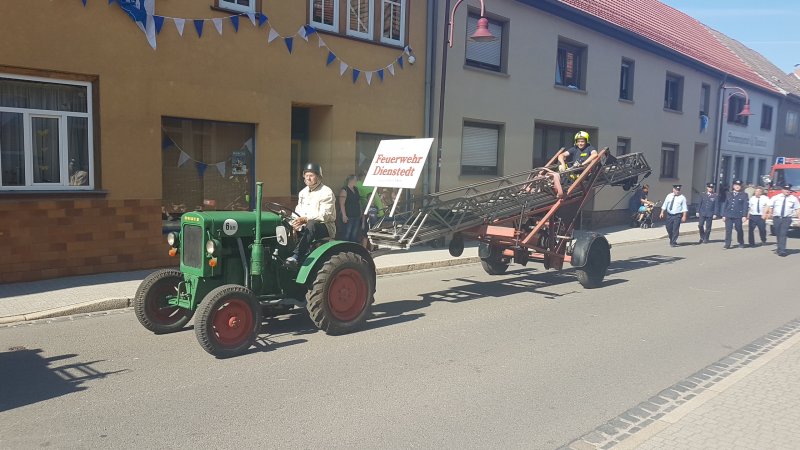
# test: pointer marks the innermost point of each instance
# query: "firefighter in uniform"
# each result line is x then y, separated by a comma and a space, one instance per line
581, 154
783, 207
733, 211
706, 212
757, 208
675, 210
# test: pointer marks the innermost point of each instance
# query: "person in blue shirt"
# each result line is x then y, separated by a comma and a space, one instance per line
675, 210
706, 212
733, 212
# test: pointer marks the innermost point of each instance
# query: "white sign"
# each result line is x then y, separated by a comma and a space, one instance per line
398, 163
230, 227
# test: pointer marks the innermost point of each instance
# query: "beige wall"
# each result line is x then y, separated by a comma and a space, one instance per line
527, 94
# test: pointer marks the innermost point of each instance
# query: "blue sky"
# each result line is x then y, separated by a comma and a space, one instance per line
770, 27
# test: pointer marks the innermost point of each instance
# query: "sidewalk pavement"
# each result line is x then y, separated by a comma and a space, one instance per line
92, 293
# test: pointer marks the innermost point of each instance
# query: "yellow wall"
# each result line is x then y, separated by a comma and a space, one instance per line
235, 77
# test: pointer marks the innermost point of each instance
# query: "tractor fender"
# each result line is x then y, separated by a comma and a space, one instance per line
323, 252
586, 242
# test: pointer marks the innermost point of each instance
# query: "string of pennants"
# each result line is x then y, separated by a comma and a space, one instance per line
201, 166
143, 13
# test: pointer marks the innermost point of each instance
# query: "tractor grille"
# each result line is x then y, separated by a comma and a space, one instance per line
193, 246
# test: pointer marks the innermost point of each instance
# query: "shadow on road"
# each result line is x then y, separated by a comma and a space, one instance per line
28, 378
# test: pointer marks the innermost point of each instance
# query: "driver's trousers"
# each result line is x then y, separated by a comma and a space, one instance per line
313, 231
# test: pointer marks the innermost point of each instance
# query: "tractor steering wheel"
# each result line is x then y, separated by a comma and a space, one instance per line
281, 210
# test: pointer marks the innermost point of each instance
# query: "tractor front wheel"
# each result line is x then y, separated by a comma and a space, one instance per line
228, 321
151, 303
341, 294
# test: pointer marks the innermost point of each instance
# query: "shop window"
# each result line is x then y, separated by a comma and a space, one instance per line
673, 93
480, 149
244, 6
325, 14
669, 161
207, 165
45, 134
486, 55
571, 65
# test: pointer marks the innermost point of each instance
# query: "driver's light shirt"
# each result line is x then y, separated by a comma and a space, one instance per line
318, 204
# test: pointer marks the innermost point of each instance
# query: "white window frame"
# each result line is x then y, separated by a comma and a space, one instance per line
371, 27
386, 40
63, 141
322, 26
231, 5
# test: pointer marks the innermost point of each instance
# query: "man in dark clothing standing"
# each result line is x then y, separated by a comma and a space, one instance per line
706, 212
733, 211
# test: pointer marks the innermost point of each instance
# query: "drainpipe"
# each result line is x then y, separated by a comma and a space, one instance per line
430, 74
718, 143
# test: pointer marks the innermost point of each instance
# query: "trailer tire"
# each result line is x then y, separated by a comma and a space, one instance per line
228, 321
494, 267
592, 273
340, 295
150, 303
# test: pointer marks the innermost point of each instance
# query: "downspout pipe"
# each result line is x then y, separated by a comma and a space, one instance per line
430, 74
715, 177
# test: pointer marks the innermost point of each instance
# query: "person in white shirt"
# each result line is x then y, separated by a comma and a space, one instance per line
316, 214
675, 210
757, 208
783, 207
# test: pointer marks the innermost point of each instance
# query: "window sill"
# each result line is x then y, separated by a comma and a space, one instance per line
625, 100
357, 39
4, 195
487, 71
229, 11
673, 111
569, 89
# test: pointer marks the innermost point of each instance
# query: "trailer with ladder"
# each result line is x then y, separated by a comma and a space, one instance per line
526, 217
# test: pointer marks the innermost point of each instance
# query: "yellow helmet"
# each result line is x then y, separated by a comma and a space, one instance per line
581, 135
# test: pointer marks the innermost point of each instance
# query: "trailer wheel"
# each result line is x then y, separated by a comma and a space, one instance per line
340, 296
494, 267
151, 302
228, 321
591, 275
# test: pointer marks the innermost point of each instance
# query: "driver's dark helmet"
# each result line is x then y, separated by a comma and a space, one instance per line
313, 167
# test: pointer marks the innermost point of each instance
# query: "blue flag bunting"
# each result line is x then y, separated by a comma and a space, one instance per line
262, 19
198, 25
309, 30
84, 3
159, 21
110, 1
201, 168
331, 58
380, 74
400, 61
289, 42
166, 143
235, 22
356, 73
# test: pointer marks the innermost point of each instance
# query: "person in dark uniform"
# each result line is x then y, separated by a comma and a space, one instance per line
581, 154
675, 210
733, 211
706, 212
783, 207
756, 209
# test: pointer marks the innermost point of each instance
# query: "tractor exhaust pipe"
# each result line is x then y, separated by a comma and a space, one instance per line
257, 253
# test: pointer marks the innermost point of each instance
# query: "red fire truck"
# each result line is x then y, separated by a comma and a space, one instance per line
785, 170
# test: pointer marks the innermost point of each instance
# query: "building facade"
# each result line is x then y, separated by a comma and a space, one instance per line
115, 118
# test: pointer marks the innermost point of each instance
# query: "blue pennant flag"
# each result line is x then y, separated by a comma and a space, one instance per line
235, 22
289, 42
331, 58
201, 168
84, 3
166, 143
198, 24
380, 74
159, 21
356, 73
309, 30
134, 9
262, 19
110, 1
400, 61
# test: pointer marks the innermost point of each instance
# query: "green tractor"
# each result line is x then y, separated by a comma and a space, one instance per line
232, 276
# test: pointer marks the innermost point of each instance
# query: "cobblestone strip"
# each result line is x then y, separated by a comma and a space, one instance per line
645, 413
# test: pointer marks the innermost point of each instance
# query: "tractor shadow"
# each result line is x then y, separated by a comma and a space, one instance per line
28, 377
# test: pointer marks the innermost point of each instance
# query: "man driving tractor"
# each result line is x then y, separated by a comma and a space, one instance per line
581, 154
316, 214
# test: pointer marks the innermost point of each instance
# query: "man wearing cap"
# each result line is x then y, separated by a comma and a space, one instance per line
706, 212
675, 210
733, 211
782, 208
756, 209
316, 214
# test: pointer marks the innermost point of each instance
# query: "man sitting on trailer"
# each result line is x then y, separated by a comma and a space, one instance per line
316, 214
581, 154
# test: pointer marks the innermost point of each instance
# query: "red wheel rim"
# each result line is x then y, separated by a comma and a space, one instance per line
157, 304
347, 295
233, 322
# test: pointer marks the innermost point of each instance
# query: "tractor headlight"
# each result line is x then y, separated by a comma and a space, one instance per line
211, 246
172, 239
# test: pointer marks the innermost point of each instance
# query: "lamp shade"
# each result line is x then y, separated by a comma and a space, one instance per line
745, 111
482, 33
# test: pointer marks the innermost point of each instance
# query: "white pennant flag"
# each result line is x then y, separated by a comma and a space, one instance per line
221, 168
272, 35
369, 77
218, 25
179, 24
406, 51
183, 158
252, 17
150, 24
249, 145
302, 33
391, 69
342, 68
321, 42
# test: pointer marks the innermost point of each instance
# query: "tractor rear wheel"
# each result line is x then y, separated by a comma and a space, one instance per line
151, 303
591, 275
228, 321
340, 296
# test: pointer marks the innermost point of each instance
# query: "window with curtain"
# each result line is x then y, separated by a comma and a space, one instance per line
45, 134
486, 55
480, 149
393, 21
325, 14
570, 65
360, 18
791, 123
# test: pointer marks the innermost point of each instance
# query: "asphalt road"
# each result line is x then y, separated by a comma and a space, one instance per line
452, 358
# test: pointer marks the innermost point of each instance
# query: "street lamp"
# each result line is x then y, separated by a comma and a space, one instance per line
744, 112
481, 34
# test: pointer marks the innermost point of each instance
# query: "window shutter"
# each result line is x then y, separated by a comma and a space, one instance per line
491, 52
479, 147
